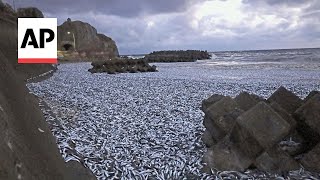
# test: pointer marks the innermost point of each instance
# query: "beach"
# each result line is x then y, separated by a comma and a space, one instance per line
150, 124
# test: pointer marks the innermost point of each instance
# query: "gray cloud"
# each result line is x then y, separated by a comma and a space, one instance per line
125, 8
142, 26
291, 3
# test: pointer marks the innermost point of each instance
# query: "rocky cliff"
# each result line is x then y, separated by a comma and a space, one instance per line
27, 148
8, 36
77, 39
30, 12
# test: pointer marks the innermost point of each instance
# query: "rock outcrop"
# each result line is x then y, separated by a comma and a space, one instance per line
79, 40
30, 12
8, 43
177, 56
121, 66
274, 135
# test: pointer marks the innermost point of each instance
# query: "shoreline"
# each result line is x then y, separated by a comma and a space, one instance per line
156, 106
76, 166
42, 77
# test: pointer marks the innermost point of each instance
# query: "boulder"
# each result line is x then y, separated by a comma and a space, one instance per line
226, 156
210, 101
286, 99
264, 124
311, 160
245, 101
275, 160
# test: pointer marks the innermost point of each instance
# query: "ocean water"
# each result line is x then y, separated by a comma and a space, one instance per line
281, 55
149, 125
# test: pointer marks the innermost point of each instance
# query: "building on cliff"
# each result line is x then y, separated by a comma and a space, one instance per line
80, 41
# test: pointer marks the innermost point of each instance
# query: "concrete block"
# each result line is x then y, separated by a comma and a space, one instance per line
308, 119
245, 142
310, 113
210, 101
208, 139
216, 133
264, 124
284, 114
245, 101
310, 95
276, 161
225, 156
311, 160
286, 99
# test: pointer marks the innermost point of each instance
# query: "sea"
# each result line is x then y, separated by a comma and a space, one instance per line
295, 56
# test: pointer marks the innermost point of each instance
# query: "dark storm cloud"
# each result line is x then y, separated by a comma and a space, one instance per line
141, 26
124, 8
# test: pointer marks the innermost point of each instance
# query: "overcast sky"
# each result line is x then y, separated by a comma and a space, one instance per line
141, 26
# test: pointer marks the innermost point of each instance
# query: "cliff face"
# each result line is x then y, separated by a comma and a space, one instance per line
79, 38
30, 12
27, 148
8, 40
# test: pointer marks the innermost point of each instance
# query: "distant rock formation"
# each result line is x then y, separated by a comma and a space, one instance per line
177, 56
79, 40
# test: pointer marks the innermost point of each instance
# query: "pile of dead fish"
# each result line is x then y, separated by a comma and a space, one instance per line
276, 135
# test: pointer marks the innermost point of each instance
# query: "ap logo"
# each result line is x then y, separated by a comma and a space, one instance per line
37, 40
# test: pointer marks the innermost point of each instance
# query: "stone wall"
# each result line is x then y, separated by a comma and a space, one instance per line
274, 135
